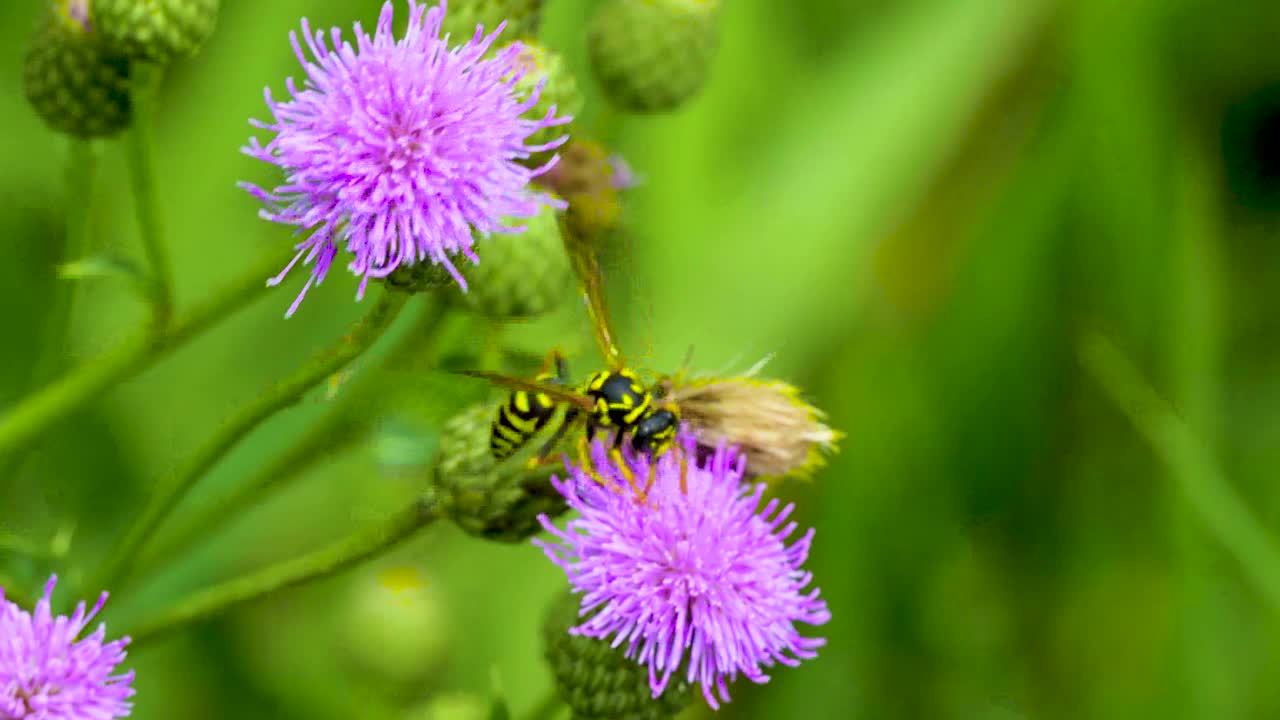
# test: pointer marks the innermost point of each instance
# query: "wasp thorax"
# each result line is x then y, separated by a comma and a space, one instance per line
778, 432
621, 399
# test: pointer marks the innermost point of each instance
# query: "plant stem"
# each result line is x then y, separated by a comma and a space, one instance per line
81, 166
354, 549
340, 427
170, 491
141, 158
29, 548
1224, 514
36, 412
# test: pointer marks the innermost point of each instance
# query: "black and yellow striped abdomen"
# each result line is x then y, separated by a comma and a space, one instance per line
519, 418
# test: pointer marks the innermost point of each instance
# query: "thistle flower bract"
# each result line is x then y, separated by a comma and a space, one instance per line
777, 431
399, 148
692, 574
46, 673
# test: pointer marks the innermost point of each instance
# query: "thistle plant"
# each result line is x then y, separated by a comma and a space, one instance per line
436, 162
48, 671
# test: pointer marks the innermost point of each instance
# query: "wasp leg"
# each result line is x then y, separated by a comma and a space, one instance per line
616, 455
653, 477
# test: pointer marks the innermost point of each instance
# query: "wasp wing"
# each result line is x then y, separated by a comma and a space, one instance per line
586, 265
552, 390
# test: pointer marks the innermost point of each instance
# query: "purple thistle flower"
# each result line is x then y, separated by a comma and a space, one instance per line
696, 579
400, 148
46, 673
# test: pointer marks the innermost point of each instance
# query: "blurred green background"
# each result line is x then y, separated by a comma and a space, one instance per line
916, 206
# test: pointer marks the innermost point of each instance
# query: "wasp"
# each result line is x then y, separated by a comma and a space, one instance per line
777, 431
613, 400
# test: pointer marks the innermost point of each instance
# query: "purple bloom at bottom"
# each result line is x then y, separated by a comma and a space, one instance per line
397, 149
692, 574
47, 674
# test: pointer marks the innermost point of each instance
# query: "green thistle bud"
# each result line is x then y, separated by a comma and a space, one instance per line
154, 30
560, 89
522, 16
394, 633
486, 498
419, 277
584, 177
597, 681
520, 275
74, 83
652, 55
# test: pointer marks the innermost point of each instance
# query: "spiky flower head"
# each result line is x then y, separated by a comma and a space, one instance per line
777, 431
75, 83
399, 149
596, 680
155, 30
687, 567
46, 673
487, 498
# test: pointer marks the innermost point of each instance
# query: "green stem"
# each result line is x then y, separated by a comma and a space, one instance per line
170, 491
81, 166
354, 549
22, 546
339, 428
36, 412
1223, 513
140, 147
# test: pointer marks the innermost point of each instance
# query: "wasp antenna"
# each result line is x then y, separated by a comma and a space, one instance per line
759, 365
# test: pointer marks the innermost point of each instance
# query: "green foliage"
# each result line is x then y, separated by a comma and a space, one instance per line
919, 208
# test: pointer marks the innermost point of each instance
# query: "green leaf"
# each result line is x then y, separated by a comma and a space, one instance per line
106, 265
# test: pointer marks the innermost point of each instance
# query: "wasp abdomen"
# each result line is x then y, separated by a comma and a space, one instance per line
519, 418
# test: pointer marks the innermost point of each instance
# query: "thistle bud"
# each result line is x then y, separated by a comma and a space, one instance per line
154, 30
394, 631
595, 680
486, 498
587, 177
779, 433
521, 274
523, 18
74, 83
419, 277
543, 66
652, 55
